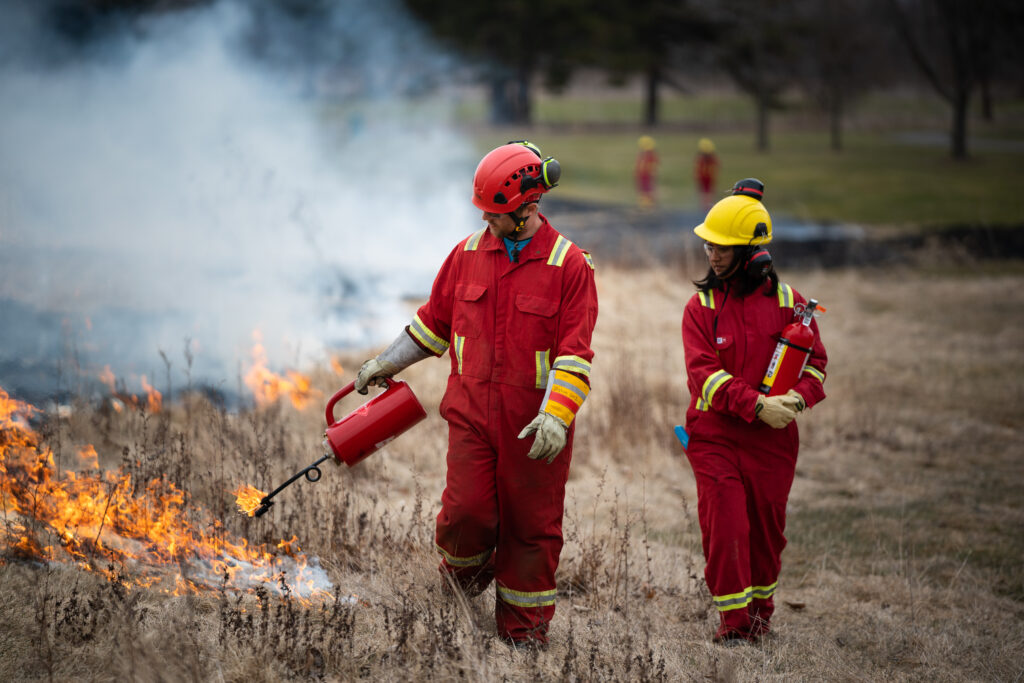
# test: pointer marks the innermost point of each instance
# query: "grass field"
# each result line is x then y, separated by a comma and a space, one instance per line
906, 525
894, 171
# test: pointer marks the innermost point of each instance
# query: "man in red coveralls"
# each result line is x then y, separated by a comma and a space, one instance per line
743, 445
645, 171
705, 169
514, 305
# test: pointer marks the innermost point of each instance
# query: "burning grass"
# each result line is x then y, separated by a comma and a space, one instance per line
905, 522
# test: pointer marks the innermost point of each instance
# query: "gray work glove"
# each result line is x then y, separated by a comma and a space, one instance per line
776, 411
402, 353
549, 440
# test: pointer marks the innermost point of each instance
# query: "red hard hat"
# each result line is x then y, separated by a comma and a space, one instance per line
512, 175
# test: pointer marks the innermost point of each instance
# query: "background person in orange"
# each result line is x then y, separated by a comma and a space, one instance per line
705, 172
742, 444
514, 305
646, 172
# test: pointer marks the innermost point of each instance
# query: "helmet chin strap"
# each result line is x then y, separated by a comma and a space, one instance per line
520, 221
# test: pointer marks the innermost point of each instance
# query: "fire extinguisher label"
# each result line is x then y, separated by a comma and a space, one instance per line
773, 366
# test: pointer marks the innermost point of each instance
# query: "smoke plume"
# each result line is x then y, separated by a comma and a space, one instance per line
214, 171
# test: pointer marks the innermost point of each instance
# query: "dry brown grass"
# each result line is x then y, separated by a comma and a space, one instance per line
906, 523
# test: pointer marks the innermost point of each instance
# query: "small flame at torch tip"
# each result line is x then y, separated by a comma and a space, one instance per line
248, 499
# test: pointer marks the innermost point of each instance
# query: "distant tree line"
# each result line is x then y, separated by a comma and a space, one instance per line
833, 50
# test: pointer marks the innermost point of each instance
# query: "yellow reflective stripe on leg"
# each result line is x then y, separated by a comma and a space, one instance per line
764, 592
473, 561
724, 603
543, 368
712, 383
525, 599
427, 337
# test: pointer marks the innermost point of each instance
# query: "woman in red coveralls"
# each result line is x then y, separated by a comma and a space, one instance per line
742, 444
514, 305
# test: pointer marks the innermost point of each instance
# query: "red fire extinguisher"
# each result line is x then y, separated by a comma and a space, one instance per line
792, 352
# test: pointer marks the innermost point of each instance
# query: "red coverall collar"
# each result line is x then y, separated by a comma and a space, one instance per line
539, 246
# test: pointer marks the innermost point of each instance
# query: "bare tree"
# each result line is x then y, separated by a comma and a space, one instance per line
839, 55
758, 52
950, 41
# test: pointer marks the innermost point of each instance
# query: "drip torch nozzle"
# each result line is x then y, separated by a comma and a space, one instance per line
264, 506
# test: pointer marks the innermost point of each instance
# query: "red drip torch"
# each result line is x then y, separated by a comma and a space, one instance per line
363, 431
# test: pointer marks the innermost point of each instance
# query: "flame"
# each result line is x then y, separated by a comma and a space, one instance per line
100, 520
267, 387
120, 398
248, 499
336, 366
109, 379
154, 399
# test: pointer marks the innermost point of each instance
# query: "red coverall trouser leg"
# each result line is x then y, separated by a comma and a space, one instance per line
742, 487
501, 512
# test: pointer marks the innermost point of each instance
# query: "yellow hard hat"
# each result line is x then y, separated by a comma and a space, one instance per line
646, 142
737, 219
706, 146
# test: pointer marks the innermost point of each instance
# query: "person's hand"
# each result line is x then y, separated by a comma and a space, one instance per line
800, 402
372, 371
775, 411
549, 437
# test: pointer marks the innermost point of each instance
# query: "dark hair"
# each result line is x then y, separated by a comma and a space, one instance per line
744, 282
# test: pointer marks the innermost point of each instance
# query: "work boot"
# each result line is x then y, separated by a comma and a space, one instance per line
733, 639
527, 645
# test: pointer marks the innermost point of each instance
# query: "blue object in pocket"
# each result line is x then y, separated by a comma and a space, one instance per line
683, 437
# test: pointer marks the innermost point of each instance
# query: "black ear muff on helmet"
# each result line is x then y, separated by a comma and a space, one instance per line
759, 260
758, 263
550, 169
749, 187
550, 173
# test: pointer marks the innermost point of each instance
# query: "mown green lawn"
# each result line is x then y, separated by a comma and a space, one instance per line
876, 180
894, 169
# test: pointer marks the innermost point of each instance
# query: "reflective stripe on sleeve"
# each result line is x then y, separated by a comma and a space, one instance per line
424, 335
712, 384
785, 296
573, 364
474, 561
558, 252
724, 603
474, 240
525, 599
815, 373
707, 299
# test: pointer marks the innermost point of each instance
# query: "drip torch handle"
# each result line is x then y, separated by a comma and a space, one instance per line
345, 391
342, 393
